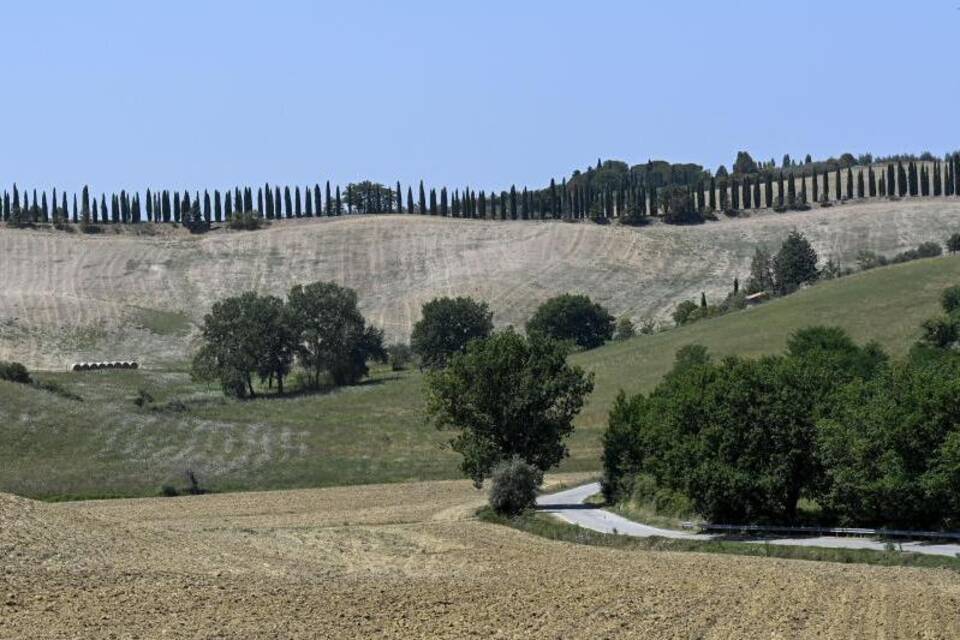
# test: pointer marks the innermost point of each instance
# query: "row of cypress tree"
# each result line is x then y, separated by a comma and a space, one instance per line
576, 200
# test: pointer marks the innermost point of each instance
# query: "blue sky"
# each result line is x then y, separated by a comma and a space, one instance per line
186, 94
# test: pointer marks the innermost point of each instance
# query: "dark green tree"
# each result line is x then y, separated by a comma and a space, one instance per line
508, 396
795, 264
574, 318
446, 326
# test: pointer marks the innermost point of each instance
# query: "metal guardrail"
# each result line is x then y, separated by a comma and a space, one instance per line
825, 531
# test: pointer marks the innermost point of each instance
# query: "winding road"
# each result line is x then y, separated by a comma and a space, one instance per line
569, 505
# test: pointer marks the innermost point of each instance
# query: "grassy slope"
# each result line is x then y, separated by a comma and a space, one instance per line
376, 432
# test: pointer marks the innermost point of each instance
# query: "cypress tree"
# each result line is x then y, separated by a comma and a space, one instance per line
85, 202
75, 216
792, 189
95, 211
228, 205
747, 193
803, 189
339, 203
654, 204
768, 191
503, 205
924, 181
103, 206
317, 204
206, 206
815, 189
780, 189
837, 186
891, 181
277, 204
901, 180
44, 211
308, 202
261, 211
955, 169
296, 202
513, 202
400, 198
149, 206
329, 201
713, 193
912, 177
409, 200
937, 180
217, 206
871, 181
288, 202
860, 189
268, 202
443, 201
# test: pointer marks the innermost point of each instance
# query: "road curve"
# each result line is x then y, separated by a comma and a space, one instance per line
568, 505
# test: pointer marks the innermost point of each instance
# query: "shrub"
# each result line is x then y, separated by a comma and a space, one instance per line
867, 260
143, 398
684, 311
625, 329
648, 326
573, 317
247, 221
826, 204
514, 484
89, 228
399, 356
953, 243
950, 299
169, 491
929, 250
14, 372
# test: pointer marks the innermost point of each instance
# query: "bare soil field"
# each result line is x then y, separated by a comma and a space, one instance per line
139, 296
409, 561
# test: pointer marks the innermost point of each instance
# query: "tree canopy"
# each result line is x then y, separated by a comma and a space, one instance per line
507, 396
573, 317
446, 327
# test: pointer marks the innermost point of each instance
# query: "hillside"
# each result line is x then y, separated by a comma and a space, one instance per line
376, 431
128, 296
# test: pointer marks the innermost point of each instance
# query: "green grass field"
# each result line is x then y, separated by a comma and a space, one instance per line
52, 447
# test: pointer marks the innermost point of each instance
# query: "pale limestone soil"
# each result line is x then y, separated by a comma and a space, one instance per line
71, 297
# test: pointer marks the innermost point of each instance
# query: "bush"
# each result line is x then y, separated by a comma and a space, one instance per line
14, 372
625, 329
245, 222
684, 311
514, 484
953, 243
89, 227
950, 299
143, 398
399, 356
169, 491
573, 317
929, 250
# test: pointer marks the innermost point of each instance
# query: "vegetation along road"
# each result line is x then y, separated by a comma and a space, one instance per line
570, 505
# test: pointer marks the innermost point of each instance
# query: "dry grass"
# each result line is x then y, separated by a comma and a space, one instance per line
78, 297
405, 561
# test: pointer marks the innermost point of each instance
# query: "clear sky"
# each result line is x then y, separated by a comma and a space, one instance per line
192, 93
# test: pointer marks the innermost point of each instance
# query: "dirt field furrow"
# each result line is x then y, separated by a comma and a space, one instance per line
408, 561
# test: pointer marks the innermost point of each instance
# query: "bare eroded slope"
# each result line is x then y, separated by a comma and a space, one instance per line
68, 297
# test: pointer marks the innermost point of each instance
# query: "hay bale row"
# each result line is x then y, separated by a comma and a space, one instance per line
97, 366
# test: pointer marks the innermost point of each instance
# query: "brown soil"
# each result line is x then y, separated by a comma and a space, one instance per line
408, 561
